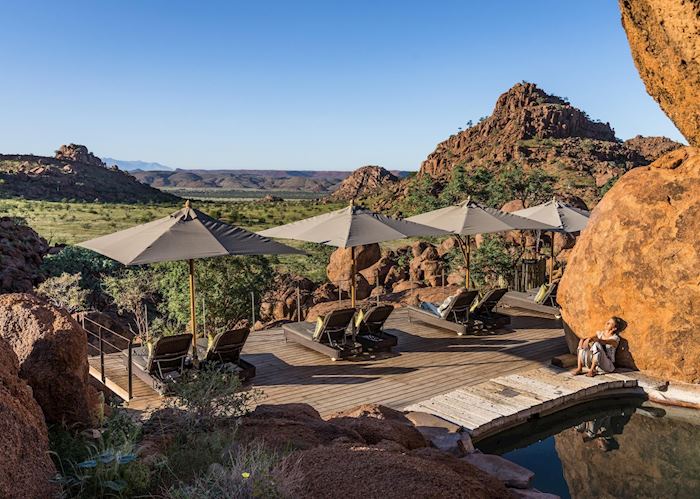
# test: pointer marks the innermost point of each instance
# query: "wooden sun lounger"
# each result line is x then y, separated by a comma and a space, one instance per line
457, 318
331, 339
169, 355
226, 348
484, 310
370, 332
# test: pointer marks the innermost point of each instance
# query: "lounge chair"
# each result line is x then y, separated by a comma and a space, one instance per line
226, 348
483, 310
546, 294
370, 330
456, 317
328, 336
166, 360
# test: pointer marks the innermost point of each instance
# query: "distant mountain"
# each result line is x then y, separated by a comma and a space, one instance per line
73, 174
136, 165
308, 181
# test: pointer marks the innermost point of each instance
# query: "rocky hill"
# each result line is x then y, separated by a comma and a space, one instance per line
365, 181
537, 130
73, 174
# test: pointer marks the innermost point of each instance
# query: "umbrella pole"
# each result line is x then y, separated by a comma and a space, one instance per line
352, 278
551, 260
193, 322
468, 259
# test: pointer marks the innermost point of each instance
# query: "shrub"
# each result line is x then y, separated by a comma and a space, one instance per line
492, 262
211, 392
253, 471
64, 291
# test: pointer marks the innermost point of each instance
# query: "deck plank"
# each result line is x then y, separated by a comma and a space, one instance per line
427, 362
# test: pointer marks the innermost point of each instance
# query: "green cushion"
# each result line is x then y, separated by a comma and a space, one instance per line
539, 297
319, 328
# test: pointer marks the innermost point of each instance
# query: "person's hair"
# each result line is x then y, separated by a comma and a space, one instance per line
619, 323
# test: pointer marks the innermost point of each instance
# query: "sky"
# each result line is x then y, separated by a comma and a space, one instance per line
324, 85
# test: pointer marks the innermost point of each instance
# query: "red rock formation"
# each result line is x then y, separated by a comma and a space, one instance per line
52, 352
638, 259
21, 253
663, 36
339, 268
364, 181
25, 467
78, 153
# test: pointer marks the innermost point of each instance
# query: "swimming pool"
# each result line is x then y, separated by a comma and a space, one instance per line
620, 448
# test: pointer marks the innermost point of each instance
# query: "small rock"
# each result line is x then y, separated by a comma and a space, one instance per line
511, 474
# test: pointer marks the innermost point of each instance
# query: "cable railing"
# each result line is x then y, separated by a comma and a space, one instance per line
89, 325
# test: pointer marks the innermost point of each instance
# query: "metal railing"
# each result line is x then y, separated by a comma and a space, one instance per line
87, 324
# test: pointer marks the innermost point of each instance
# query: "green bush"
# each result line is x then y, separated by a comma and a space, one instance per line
211, 392
492, 262
64, 291
130, 290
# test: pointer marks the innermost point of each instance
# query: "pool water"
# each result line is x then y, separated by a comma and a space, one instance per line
617, 448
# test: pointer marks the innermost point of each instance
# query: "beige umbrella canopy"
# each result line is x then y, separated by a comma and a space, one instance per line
350, 227
187, 234
469, 218
562, 218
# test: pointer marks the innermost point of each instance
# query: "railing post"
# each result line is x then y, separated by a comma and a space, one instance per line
298, 305
340, 293
442, 279
129, 369
252, 307
102, 356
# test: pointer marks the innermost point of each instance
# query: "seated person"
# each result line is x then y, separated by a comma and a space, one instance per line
442, 309
597, 353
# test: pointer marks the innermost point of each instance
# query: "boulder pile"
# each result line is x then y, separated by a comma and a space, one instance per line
21, 253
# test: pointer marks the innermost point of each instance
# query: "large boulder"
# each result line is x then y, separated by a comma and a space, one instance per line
21, 253
52, 351
295, 426
385, 472
663, 36
376, 423
339, 268
25, 467
638, 259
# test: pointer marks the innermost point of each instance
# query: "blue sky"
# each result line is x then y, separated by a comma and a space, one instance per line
299, 85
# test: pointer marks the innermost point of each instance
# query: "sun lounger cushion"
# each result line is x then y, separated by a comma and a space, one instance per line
541, 293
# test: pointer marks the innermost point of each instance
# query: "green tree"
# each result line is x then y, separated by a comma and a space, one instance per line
64, 291
478, 184
131, 290
492, 261
456, 189
513, 182
222, 284
421, 196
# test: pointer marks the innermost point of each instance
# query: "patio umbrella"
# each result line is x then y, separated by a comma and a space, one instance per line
187, 234
350, 227
469, 218
562, 218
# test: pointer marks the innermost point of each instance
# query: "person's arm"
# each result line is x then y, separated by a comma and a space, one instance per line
611, 341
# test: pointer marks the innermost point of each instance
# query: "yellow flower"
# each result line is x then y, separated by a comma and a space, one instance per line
245, 475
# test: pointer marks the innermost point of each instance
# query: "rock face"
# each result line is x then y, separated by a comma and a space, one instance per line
638, 259
25, 467
663, 36
78, 153
21, 253
52, 352
364, 181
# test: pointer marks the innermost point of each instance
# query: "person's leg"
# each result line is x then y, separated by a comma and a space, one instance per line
596, 352
580, 353
430, 307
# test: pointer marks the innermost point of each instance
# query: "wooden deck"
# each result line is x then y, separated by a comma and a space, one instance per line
427, 362
512, 399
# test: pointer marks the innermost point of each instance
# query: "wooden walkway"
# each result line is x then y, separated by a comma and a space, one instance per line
427, 362
509, 400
